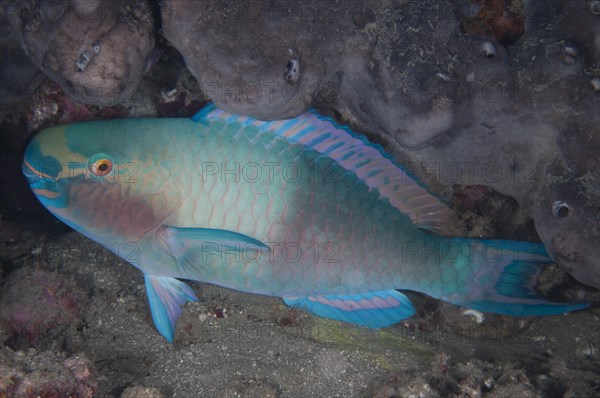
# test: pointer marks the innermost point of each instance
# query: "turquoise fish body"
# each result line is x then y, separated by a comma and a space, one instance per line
302, 209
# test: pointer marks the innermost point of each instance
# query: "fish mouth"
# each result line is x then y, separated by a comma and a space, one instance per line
43, 185
32, 174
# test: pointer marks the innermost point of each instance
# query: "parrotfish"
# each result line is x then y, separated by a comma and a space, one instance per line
303, 209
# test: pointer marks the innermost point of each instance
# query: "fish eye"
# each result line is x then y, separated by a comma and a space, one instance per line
101, 167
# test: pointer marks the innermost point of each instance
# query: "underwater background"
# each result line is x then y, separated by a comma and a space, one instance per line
494, 104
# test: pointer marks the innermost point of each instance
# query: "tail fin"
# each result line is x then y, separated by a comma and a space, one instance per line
503, 279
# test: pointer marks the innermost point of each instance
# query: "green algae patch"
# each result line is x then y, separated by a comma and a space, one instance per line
379, 344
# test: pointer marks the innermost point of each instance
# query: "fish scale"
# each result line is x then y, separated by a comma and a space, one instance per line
317, 223
332, 224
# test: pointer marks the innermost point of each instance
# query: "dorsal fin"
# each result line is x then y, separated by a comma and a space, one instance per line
353, 152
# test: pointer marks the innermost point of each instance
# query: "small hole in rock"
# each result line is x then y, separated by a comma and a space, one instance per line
560, 209
488, 49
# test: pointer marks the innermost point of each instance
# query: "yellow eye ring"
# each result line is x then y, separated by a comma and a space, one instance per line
101, 167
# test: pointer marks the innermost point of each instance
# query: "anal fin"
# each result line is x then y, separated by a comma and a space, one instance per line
166, 296
373, 309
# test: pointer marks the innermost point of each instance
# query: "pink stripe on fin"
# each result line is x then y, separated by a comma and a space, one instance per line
363, 304
374, 309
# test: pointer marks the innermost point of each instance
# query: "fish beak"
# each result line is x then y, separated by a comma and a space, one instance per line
30, 176
43, 185
33, 175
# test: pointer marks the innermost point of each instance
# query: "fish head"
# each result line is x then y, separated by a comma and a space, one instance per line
92, 177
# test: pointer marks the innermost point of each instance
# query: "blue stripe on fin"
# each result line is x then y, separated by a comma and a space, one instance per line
203, 113
348, 155
374, 309
356, 154
335, 146
289, 124
304, 132
166, 296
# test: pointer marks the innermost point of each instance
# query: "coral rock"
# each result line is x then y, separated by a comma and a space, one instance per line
96, 50
466, 109
45, 374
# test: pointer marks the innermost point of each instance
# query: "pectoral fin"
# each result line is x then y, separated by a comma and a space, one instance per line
374, 309
195, 247
178, 240
166, 296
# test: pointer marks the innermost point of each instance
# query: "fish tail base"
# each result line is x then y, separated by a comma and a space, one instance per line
506, 283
